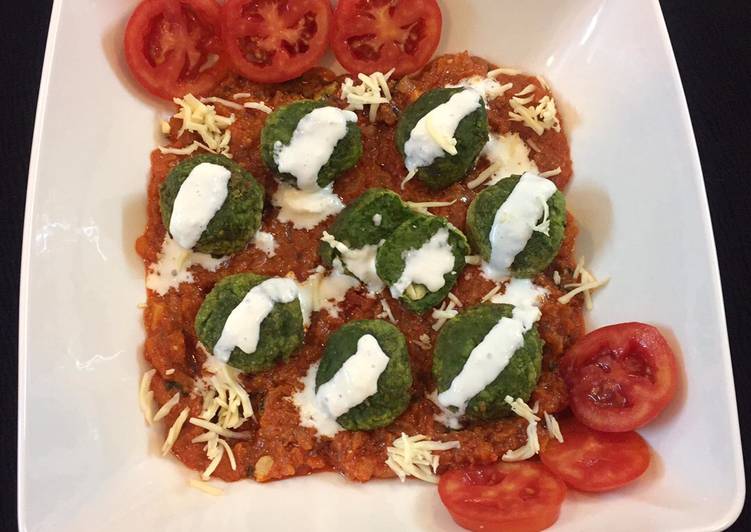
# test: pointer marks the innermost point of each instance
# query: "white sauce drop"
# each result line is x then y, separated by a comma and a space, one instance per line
421, 149
305, 208
510, 153
324, 292
514, 222
426, 265
356, 380
377, 219
360, 262
173, 264
311, 413
265, 242
312, 144
200, 196
243, 324
491, 356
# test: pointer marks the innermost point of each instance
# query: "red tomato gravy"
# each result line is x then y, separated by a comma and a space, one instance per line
275, 431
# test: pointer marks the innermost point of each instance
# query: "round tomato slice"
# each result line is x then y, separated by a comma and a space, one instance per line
378, 35
271, 41
513, 497
620, 377
174, 47
589, 460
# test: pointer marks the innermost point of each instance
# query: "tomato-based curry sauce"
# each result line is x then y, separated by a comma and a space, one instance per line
275, 429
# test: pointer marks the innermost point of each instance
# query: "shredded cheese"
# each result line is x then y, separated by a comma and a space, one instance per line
507, 71
474, 260
526, 90
550, 173
413, 456
408, 177
556, 277
493, 291
373, 90
587, 283
205, 487
164, 126
146, 396
167, 407
544, 226
486, 174
554, 429
258, 106
543, 83
198, 117
241, 95
222, 101
532, 144
442, 314
532, 447
386, 311
170, 371
174, 431
454, 299
423, 206
539, 118
447, 144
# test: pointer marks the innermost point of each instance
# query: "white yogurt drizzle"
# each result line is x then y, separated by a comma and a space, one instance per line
426, 265
312, 144
324, 292
265, 242
306, 208
242, 328
200, 196
515, 221
422, 147
361, 262
491, 356
173, 264
489, 88
508, 155
356, 380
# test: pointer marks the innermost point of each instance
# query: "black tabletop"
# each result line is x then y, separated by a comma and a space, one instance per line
712, 45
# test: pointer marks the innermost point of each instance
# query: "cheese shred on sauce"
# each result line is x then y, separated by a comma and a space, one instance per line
413, 456
587, 283
372, 91
197, 117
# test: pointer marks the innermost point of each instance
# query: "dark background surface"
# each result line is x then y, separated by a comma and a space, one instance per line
712, 43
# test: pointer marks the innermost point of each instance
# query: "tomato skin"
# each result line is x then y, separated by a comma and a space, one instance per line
378, 35
589, 460
508, 497
620, 377
168, 45
273, 41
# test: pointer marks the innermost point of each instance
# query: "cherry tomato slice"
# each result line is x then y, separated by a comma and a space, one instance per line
620, 377
512, 497
270, 41
378, 35
174, 47
589, 460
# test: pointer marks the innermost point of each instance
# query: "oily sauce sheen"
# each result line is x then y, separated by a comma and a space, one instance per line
170, 335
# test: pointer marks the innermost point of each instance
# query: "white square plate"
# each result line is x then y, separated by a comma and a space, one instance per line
86, 460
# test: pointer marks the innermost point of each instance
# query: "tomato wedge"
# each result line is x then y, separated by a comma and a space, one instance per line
589, 460
174, 47
378, 35
513, 497
620, 377
270, 41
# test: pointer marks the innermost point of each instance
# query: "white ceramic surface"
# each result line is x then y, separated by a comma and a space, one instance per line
86, 460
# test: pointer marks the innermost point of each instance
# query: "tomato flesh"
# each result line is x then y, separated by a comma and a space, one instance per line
271, 41
620, 377
378, 35
589, 460
174, 47
513, 497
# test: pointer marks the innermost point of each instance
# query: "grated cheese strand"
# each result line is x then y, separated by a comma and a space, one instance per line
386, 311
258, 106
423, 206
372, 91
554, 429
588, 282
507, 71
198, 117
213, 427
167, 407
532, 446
493, 291
550, 173
146, 396
174, 431
474, 260
408, 177
539, 118
222, 101
412, 456
205, 487
486, 174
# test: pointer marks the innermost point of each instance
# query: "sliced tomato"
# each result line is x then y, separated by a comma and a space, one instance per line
174, 47
589, 460
271, 41
513, 497
378, 35
620, 377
